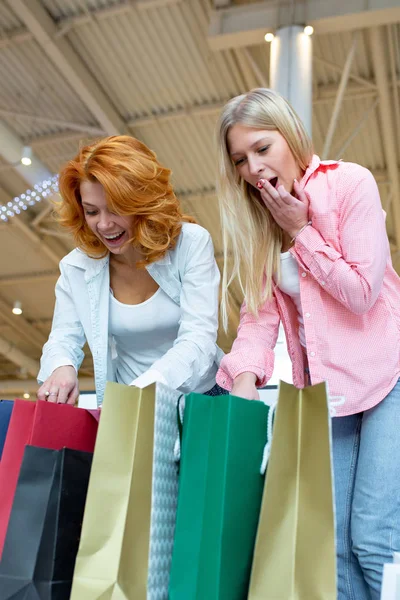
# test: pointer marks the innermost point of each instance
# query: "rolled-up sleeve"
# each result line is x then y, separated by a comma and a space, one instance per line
253, 349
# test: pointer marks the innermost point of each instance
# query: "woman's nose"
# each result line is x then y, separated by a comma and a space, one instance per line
105, 221
255, 166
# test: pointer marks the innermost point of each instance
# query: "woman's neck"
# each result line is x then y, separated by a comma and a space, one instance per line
128, 259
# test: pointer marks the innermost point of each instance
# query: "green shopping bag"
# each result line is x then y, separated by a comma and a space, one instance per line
220, 491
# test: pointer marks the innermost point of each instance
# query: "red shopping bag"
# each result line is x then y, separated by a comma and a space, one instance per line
42, 424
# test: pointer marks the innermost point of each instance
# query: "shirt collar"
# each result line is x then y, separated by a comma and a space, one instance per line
314, 165
92, 266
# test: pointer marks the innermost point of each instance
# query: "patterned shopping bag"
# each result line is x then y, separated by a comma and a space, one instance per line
128, 527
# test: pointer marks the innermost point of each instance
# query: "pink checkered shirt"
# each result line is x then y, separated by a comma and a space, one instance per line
350, 296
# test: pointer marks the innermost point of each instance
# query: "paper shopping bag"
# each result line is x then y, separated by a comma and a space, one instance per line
294, 557
220, 491
45, 523
127, 535
42, 424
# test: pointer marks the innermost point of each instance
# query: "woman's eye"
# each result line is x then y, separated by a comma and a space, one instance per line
239, 162
90, 213
263, 149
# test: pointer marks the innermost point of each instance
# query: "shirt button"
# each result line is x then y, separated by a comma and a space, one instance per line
304, 274
322, 283
312, 353
308, 315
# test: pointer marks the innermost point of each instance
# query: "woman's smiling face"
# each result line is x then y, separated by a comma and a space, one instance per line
112, 230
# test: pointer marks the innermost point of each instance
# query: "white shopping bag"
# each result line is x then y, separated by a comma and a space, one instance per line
391, 580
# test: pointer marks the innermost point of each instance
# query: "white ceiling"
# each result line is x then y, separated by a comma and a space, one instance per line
73, 70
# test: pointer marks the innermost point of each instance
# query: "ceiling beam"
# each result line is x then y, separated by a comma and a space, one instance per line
71, 125
55, 138
15, 36
339, 98
11, 149
21, 326
202, 110
378, 55
246, 25
339, 69
63, 56
20, 359
364, 88
38, 241
350, 135
65, 24
38, 277
91, 15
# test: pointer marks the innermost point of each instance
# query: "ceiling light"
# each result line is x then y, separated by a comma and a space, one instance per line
268, 37
308, 29
26, 396
26, 156
17, 308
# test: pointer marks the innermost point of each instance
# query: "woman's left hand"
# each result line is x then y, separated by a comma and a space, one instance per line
290, 213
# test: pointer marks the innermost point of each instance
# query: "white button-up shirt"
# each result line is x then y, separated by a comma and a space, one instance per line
188, 274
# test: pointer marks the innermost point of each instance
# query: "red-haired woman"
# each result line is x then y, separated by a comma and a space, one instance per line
142, 286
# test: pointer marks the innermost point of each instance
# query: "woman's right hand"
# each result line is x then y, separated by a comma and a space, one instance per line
61, 386
244, 386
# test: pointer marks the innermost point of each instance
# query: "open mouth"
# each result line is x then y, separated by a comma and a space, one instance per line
273, 181
115, 238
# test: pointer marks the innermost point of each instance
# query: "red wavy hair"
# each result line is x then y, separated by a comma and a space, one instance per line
135, 184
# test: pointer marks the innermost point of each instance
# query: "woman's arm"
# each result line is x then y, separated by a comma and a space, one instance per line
194, 350
353, 276
66, 340
252, 352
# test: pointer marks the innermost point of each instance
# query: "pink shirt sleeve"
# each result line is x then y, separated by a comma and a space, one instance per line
253, 349
353, 276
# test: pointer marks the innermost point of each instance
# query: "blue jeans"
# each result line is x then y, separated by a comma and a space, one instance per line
366, 458
216, 391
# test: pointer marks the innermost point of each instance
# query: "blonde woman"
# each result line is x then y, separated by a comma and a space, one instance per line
310, 250
142, 285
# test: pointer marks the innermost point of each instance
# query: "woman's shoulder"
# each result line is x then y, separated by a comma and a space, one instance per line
78, 258
192, 235
191, 231
349, 172
354, 169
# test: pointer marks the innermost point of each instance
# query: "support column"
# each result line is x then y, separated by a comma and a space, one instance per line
291, 70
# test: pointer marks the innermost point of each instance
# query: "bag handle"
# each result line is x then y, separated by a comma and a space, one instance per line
267, 447
180, 408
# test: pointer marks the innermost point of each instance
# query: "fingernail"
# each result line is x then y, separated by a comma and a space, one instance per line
260, 184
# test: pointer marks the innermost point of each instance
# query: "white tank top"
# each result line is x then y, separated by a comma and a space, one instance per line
143, 333
290, 285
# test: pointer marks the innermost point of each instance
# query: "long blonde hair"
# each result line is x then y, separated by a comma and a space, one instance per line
250, 234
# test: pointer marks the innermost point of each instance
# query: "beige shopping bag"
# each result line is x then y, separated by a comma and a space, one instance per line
128, 527
294, 557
